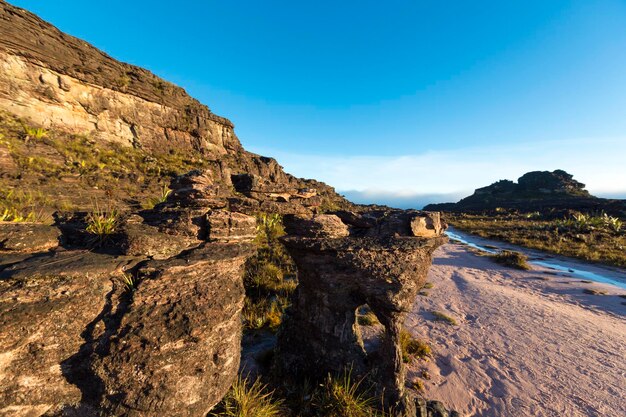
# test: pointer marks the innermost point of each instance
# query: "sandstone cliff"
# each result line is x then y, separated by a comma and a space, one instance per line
51, 80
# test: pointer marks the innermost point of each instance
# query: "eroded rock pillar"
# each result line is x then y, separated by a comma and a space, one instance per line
345, 260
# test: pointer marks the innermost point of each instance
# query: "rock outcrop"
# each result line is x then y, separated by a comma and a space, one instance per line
534, 191
150, 326
378, 258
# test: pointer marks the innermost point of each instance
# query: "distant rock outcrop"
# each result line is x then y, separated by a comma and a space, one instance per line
534, 191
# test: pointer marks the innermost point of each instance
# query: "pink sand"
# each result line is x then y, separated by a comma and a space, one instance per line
527, 343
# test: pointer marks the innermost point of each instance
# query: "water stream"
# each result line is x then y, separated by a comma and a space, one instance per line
574, 269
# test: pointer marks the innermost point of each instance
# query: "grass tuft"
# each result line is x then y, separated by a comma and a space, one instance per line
444, 317
344, 397
512, 259
413, 348
34, 132
246, 399
367, 319
102, 223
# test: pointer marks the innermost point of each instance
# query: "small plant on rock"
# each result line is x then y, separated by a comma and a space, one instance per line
34, 132
102, 223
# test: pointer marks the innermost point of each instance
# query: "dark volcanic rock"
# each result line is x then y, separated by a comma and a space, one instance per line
382, 266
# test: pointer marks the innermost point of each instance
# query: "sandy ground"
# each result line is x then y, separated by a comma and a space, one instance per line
527, 343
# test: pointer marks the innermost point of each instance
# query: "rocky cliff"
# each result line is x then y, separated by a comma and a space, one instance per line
70, 89
534, 191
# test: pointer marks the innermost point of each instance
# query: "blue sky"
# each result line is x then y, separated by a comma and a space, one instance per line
404, 102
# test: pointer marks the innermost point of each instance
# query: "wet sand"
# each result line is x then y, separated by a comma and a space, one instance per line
527, 343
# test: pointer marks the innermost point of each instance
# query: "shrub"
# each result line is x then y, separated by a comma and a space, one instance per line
413, 348
512, 259
247, 399
444, 317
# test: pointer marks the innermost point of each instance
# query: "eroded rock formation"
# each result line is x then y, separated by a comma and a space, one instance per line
151, 326
344, 261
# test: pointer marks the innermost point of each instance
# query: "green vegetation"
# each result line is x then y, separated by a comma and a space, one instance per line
102, 223
428, 286
595, 237
413, 348
444, 317
246, 399
269, 278
78, 168
34, 132
161, 198
130, 282
20, 206
344, 397
512, 259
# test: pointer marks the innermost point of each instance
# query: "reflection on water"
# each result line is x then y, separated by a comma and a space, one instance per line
558, 265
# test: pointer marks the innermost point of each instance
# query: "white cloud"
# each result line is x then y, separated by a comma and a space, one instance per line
599, 163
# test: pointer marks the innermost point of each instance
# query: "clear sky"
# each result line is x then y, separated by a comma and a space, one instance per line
401, 102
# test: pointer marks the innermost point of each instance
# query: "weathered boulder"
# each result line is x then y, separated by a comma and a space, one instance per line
50, 309
176, 350
28, 237
150, 325
381, 263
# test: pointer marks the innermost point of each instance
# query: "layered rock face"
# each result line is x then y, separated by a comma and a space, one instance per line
344, 261
59, 82
150, 326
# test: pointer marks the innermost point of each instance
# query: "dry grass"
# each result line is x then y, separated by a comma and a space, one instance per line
512, 259
413, 348
342, 396
249, 399
597, 238
444, 317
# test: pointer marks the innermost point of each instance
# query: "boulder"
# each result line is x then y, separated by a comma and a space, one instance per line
28, 237
176, 350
